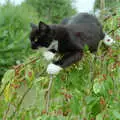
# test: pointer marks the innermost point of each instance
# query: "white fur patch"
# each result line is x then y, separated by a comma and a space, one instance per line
108, 40
48, 55
53, 45
53, 69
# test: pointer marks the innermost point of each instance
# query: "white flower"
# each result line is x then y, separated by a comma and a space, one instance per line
48, 55
18, 62
108, 40
53, 69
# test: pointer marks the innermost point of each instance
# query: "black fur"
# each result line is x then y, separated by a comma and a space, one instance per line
65, 21
82, 29
41, 36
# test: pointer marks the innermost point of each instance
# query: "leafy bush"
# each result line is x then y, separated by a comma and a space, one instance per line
108, 4
89, 90
52, 10
14, 30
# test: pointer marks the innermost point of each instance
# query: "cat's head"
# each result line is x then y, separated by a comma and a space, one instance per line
41, 35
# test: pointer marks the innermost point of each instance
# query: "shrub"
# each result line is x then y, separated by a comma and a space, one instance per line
14, 31
89, 90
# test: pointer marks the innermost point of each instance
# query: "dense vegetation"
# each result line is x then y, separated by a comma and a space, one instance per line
88, 90
106, 4
52, 10
14, 29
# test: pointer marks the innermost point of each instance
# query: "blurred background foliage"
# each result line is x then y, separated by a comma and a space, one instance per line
88, 90
52, 10
14, 30
106, 4
15, 22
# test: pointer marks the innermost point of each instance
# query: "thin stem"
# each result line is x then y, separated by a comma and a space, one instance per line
21, 100
6, 113
114, 29
48, 93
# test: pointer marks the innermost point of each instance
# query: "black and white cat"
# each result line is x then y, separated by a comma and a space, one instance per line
68, 39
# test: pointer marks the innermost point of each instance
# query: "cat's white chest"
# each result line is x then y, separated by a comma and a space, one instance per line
48, 55
53, 45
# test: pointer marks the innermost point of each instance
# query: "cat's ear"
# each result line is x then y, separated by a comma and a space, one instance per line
43, 26
33, 26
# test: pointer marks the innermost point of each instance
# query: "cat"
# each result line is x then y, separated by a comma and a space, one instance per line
67, 39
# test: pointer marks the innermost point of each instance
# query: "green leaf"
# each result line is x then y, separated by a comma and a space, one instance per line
99, 116
96, 87
8, 76
116, 114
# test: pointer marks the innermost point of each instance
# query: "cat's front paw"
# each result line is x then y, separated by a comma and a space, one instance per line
53, 69
48, 55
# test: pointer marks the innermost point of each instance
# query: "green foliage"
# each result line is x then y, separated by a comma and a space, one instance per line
52, 10
108, 4
88, 90
14, 30
14, 27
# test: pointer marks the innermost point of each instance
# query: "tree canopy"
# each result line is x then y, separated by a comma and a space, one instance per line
99, 4
52, 10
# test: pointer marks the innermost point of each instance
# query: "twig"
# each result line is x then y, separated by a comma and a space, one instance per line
99, 45
17, 67
114, 29
1, 92
108, 17
48, 93
32, 61
6, 113
21, 100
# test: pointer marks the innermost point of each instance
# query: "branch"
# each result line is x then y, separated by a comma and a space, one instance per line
48, 93
114, 29
6, 113
109, 16
32, 61
21, 100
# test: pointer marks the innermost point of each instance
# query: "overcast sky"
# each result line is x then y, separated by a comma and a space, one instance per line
81, 5
15, 1
84, 5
